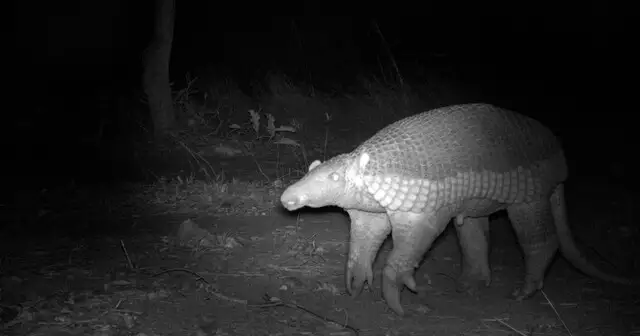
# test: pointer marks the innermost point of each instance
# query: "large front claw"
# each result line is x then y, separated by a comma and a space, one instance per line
528, 289
392, 284
413, 234
357, 274
368, 231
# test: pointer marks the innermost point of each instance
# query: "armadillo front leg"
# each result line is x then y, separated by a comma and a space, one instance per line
473, 235
413, 235
533, 224
368, 232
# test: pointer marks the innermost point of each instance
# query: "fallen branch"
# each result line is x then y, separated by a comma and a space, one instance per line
270, 302
276, 302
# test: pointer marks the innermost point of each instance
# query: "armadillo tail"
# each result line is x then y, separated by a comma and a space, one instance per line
568, 245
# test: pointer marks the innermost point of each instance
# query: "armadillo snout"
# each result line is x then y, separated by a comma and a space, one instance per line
293, 201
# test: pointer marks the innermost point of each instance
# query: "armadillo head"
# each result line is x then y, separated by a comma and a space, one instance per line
330, 183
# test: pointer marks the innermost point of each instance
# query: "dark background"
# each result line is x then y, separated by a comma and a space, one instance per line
571, 65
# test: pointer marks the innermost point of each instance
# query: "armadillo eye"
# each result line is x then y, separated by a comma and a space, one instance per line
335, 177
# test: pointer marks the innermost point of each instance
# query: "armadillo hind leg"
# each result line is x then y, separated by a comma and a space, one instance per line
368, 232
412, 234
534, 227
473, 235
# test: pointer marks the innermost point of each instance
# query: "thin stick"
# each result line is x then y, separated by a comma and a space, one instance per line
200, 277
555, 311
386, 45
228, 298
275, 302
126, 254
269, 302
507, 325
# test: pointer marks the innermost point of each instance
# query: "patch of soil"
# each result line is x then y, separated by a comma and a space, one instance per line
280, 274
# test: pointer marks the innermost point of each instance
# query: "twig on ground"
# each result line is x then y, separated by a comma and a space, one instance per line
240, 274
275, 302
260, 168
200, 277
199, 158
228, 298
270, 302
501, 321
126, 254
555, 311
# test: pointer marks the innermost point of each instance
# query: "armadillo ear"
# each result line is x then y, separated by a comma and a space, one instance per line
314, 164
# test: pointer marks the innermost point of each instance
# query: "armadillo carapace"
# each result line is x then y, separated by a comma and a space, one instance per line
464, 162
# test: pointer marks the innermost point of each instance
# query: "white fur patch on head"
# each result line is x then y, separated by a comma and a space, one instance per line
314, 164
364, 160
355, 170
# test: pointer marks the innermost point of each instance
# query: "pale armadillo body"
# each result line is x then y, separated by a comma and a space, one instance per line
463, 162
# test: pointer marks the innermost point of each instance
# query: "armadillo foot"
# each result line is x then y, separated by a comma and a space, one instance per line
471, 283
357, 275
392, 284
473, 235
526, 291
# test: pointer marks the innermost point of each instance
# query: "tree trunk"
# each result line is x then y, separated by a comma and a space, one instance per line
155, 79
